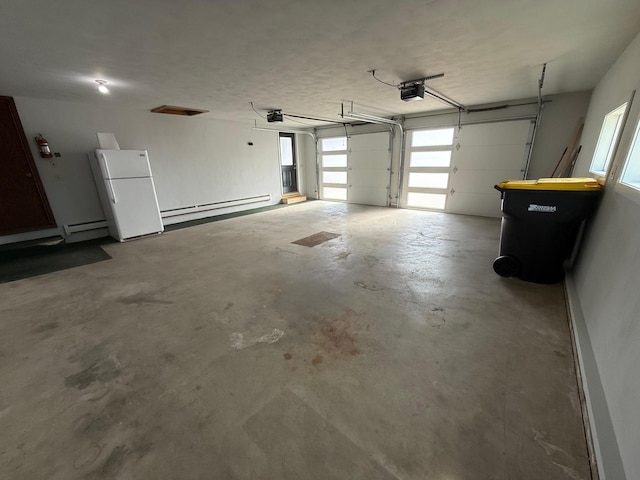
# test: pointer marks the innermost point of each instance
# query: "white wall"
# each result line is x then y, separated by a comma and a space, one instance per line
194, 160
604, 286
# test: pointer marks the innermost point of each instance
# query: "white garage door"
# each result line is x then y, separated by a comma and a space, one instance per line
455, 171
356, 169
368, 160
483, 156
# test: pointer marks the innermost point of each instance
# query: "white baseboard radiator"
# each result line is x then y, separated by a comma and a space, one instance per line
84, 227
174, 212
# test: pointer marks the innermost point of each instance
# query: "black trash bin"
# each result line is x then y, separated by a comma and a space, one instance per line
541, 220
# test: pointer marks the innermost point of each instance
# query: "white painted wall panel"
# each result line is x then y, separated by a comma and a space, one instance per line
606, 280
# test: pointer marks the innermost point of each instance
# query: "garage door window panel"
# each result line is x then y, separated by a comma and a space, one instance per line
334, 177
334, 144
334, 174
334, 161
427, 178
433, 158
432, 137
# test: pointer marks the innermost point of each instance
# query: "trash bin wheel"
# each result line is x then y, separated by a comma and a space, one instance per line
507, 266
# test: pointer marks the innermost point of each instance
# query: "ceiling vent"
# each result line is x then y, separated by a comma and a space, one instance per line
173, 110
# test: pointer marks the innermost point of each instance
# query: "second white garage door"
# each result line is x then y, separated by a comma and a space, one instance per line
355, 169
455, 171
368, 160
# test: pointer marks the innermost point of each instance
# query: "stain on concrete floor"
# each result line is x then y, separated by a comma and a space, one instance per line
98, 372
339, 335
45, 327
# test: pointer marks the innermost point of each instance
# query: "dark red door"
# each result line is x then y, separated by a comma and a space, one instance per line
23, 203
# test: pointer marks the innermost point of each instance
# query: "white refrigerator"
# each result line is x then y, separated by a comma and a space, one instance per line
127, 192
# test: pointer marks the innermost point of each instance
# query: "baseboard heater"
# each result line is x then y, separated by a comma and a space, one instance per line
174, 212
84, 227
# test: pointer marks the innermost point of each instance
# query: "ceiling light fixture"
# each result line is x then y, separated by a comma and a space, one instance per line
102, 86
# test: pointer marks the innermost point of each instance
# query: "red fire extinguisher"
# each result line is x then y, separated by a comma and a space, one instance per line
43, 145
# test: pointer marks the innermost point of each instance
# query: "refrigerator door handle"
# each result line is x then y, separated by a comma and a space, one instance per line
108, 179
113, 193
106, 165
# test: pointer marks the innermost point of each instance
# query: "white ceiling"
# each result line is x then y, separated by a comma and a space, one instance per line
306, 57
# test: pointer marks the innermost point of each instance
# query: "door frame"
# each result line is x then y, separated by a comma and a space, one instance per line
31, 165
295, 160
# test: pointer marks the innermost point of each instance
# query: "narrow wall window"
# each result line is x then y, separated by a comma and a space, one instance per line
607, 141
429, 163
334, 173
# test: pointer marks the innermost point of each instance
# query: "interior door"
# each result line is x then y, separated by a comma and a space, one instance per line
288, 162
23, 203
369, 164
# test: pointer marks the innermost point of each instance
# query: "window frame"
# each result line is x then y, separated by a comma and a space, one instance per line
614, 142
628, 190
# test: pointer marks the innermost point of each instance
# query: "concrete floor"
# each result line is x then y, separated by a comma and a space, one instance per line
403, 357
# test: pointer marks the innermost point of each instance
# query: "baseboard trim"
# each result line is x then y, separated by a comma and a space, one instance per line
602, 445
206, 207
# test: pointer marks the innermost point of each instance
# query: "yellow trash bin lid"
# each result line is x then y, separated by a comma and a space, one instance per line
581, 184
